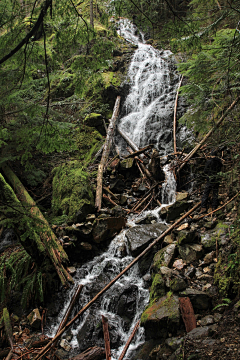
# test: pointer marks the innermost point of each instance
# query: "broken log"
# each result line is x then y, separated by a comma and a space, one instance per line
188, 157
175, 117
187, 312
129, 341
128, 140
45, 239
143, 167
106, 151
140, 151
44, 350
93, 353
106, 338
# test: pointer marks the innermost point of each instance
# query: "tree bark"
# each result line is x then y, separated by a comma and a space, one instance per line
48, 242
106, 151
106, 338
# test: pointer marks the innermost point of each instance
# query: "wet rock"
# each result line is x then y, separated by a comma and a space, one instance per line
199, 299
190, 253
105, 228
198, 333
177, 284
65, 345
164, 257
172, 212
161, 317
146, 220
187, 237
34, 319
140, 236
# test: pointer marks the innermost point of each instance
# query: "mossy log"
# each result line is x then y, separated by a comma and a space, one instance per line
8, 326
43, 236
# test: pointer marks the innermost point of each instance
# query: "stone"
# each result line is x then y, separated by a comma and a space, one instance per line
161, 317
190, 271
85, 246
127, 163
165, 271
179, 264
199, 299
207, 320
182, 196
183, 226
105, 228
168, 239
171, 212
190, 253
34, 319
174, 343
65, 345
158, 287
208, 242
148, 219
72, 270
208, 259
164, 257
177, 284
198, 333
139, 237
82, 213
187, 237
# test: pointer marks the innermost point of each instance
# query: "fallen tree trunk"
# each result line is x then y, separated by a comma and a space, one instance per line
45, 350
188, 157
93, 353
106, 151
48, 243
128, 140
106, 338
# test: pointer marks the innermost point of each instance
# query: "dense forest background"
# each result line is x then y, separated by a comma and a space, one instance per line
57, 66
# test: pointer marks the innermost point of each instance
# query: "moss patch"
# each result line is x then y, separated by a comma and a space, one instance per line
88, 142
71, 189
157, 288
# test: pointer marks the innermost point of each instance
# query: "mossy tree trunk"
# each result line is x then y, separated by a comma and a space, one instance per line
39, 240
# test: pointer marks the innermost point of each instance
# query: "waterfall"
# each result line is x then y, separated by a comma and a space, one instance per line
145, 118
147, 114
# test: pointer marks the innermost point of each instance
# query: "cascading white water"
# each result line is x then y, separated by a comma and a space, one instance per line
148, 109
151, 89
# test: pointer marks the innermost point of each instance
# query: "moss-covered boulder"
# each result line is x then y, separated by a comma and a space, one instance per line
158, 287
97, 121
72, 194
164, 257
161, 317
88, 141
187, 237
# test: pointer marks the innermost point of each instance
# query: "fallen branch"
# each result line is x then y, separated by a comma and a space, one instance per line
175, 117
188, 157
129, 340
106, 151
106, 337
128, 140
45, 350
187, 312
138, 152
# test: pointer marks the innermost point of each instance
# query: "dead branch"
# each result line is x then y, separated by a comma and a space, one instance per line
47, 347
136, 153
129, 341
106, 150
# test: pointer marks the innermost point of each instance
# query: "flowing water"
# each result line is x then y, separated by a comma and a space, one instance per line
145, 120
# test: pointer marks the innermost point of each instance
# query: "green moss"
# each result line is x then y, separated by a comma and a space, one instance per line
158, 287
71, 189
111, 78
88, 142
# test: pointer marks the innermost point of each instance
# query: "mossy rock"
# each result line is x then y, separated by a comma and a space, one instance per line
158, 287
71, 190
161, 316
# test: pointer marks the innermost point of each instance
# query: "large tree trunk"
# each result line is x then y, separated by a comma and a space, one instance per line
41, 241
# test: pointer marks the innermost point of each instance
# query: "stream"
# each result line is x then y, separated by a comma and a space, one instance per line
146, 117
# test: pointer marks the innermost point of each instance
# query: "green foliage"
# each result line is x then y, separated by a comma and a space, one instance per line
19, 273
71, 189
